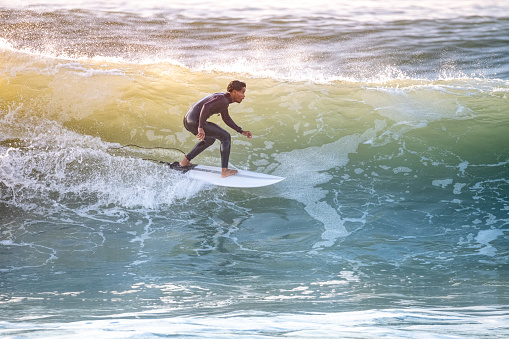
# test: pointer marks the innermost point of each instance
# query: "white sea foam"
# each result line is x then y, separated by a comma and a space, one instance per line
304, 175
80, 166
485, 237
421, 221
412, 322
442, 183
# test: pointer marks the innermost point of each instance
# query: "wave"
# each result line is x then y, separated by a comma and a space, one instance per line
437, 322
318, 48
369, 11
298, 67
393, 144
49, 167
60, 116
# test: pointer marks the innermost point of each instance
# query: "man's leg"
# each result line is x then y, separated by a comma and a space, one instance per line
197, 149
225, 138
212, 132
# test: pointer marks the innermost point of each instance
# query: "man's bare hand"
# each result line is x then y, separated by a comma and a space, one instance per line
201, 134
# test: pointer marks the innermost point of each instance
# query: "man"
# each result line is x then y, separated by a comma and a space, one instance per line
196, 122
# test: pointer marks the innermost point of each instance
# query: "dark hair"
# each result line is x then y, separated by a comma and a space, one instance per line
236, 85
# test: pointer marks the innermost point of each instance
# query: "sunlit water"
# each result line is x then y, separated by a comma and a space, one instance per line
388, 119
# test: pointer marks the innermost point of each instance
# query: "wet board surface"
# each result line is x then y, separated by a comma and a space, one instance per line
212, 175
244, 178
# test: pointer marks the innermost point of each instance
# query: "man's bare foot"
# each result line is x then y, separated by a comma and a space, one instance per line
185, 162
228, 172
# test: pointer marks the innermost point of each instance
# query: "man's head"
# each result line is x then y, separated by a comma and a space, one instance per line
237, 90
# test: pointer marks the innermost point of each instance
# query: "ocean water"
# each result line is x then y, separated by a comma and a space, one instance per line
390, 121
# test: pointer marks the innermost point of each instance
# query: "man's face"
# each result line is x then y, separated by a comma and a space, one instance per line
238, 96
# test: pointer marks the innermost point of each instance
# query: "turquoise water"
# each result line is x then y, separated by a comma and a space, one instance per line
389, 121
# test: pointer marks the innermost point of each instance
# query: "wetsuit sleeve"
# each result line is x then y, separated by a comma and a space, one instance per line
229, 121
217, 104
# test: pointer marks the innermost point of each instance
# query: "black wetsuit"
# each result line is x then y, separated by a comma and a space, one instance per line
197, 118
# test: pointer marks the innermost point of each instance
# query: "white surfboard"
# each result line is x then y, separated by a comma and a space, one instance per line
212, 175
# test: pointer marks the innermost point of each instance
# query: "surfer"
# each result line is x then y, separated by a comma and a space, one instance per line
196, 122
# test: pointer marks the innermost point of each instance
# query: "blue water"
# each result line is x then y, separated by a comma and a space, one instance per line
389, 121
